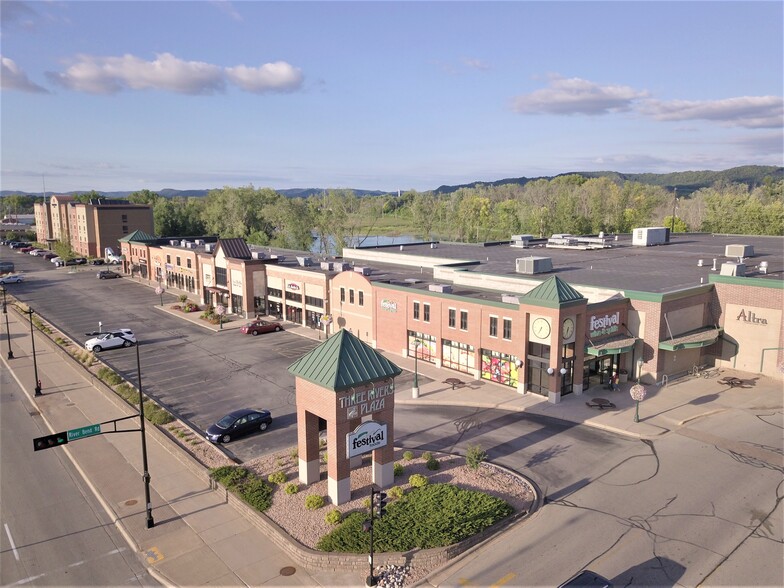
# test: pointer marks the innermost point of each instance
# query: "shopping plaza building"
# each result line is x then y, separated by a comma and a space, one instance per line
549, 317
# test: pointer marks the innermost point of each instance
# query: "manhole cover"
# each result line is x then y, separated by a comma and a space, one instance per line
131, 502
34, 413
287, 571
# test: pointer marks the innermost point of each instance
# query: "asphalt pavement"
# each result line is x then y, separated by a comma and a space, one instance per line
199, 539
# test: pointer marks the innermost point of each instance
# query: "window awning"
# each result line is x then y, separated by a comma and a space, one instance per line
701, 337
611, 346
216, 290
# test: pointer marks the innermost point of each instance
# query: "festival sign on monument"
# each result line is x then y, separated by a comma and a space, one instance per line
366, 437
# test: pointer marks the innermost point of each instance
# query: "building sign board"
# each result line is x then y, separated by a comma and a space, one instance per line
607, 324
366, 437
366, 402
388, 305
751, 317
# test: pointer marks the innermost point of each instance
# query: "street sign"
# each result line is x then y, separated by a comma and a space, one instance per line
87, 431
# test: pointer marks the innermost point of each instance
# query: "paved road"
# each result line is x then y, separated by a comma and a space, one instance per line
54, 531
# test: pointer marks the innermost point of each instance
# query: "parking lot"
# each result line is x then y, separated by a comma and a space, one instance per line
197, 373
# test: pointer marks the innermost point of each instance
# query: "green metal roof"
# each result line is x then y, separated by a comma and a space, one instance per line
552, 293
342, 362
138, 236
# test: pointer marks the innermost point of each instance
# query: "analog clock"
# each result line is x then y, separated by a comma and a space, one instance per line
567, 329
541, 328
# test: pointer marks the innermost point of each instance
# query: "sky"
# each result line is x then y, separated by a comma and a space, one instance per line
114, 95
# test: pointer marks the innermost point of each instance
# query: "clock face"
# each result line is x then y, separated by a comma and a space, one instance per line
568, 328
541, 328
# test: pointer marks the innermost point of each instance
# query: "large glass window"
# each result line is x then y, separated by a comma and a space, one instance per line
458, 356
422, 345
275, 292
293, 297
499, 367
311, 301
220, 276
537, 379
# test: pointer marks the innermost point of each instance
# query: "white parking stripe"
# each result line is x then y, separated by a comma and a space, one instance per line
11, 539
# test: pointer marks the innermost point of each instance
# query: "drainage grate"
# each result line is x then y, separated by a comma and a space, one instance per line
287, 571
131, 502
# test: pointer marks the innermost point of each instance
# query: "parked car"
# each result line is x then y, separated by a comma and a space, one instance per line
27, 249
239, 423
118, 338
260, 326
107, 275
80, 260
55, 259
37, 251
12, 279
48, 255
18, 244
96, 262
62, 262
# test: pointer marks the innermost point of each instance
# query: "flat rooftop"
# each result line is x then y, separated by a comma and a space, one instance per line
623, 266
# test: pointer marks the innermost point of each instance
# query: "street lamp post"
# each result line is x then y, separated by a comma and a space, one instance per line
29, 313
415, 387
674, 206
159, 291
146, 474
220, 310
7, 330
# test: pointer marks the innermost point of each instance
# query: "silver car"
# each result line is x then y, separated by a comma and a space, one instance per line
118, 338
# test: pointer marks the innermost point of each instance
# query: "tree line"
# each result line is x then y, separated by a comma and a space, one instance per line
566, 204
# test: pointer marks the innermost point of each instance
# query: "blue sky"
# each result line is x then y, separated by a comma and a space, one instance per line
382, 95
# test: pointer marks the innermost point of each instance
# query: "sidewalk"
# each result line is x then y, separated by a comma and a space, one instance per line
199, 539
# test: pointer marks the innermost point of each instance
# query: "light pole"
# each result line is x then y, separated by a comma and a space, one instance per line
674, 206
7, 330
29, 313
415, 387
159, 291
220, 310
146, 474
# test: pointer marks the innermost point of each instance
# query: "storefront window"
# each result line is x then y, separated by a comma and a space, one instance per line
259, 305
425, 349
275, 292
236, 304
499, 367
311, 301
458, 356
537, 379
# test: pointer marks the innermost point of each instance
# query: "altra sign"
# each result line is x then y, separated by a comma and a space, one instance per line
750, 317
366, 437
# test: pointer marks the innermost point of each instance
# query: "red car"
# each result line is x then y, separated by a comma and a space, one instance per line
257, 327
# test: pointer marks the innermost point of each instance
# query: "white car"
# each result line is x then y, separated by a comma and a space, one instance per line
12, 279
36, 252
55, 259
110, 340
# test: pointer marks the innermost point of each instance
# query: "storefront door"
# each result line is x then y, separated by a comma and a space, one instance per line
597, 371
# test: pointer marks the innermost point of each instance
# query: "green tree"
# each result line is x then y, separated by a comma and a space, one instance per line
423, 209
144, 197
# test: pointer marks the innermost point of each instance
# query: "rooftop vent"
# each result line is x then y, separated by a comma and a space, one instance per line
434, 246
199, 241
533, 265
365, 271
173, 241
412, 281
521, 240
730, 268
304, 261
443, 288
208, 247
763, 267
739, 251
510, 298
257, 255
327, 265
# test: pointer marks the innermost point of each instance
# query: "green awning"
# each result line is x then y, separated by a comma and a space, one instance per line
698, 338
611, 346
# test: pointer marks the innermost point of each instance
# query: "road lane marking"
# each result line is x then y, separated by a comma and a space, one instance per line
11, 539
504, 580
73, 565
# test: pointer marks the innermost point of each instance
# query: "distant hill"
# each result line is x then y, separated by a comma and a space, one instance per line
686, 182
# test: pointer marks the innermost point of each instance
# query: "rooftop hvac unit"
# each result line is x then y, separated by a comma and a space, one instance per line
443, 288
510, 298
208, 247
190, 244
199, 241
257, 255
173, 241
521, 240
730, 268
647, 236
304, 261
434, 246
326, 265
182, 243
739, 251
533, 265
365, 271
763, 267
342, 266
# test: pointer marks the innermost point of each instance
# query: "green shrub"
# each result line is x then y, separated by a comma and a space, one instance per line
128, 393
333, 517
408, 455
398, 470
156, 415
475, 456
395, 492
109, 376
294, 455
314, 502
418, 481
183, 298
292, 488
277, 478
256, 493
60, 341
366, 503
433, 516
324, 457
229, 476
322, 443
427, 456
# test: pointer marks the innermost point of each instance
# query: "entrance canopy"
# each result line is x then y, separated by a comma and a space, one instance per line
701, 337
611, 346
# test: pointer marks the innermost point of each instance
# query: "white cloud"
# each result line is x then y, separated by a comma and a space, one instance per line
476, 64
227, 8
110, 75
13, 78
753, 112
270, 77
577, 96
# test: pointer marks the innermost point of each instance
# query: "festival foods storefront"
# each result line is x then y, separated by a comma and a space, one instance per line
609, 347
